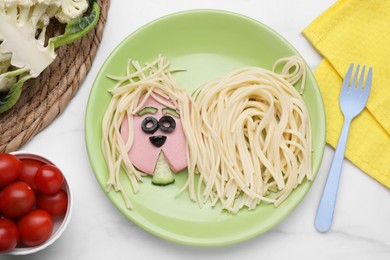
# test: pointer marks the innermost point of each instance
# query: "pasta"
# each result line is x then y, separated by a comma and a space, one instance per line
248, 133
256, 131
128, 96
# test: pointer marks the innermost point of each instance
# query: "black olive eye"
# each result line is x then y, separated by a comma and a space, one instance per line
167, 124
149, 125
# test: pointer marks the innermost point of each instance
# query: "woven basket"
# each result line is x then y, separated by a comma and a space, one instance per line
45, 97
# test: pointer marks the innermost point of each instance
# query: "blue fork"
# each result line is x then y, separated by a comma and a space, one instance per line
353, 99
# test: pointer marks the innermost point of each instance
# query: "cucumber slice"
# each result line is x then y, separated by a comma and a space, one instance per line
147, 110
163, 175
170, 111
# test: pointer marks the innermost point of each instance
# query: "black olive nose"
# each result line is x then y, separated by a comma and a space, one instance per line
158, 140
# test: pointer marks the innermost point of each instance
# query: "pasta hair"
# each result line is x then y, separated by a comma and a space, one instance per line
257, 131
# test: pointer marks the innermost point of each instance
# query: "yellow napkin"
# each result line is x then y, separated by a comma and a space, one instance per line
357, 31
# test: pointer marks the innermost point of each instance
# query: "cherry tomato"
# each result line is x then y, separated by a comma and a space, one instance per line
9, 235
35, 227
49, 179
1, 194
17, 199
9, 165
55, 204
27, 171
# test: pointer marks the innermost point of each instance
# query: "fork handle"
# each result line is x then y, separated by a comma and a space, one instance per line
323, 220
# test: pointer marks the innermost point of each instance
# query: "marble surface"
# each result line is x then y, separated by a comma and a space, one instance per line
97, 230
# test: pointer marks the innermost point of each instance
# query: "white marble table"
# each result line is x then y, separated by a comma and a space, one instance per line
97, 230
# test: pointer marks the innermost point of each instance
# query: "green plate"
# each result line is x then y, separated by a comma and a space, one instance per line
207, 44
